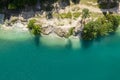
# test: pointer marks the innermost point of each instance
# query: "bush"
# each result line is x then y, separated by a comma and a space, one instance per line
66, 15
113, 20
76, 14
118, 18
71, 31
11, 6
31, 23
85, 13
101, 27
90, 30
34, 28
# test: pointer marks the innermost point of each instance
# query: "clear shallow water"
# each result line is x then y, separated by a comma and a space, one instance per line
25, 57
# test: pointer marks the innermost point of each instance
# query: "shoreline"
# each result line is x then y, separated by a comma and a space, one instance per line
50, 26
61, 24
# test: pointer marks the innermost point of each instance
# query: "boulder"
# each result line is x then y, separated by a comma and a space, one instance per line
60, 32
47, 29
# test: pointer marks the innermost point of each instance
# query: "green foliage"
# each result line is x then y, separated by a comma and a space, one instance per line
12, 6
66, 15
101, 27
118, 18
76, 14
113, 20
85, 13
71, 31
69, 15
31, 24
90, 30
34, 28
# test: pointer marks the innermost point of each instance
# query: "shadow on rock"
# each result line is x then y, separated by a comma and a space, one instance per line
108, 6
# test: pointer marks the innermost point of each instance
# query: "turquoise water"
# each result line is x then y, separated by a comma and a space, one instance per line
25, 57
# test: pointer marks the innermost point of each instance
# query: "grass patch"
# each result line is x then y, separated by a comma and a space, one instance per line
66, 15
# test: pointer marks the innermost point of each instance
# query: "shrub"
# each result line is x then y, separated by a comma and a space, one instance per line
31, 23
90, 30
71, 31
66, 15
101, 27
76, 14
11, 6
34, 28
113, 20
85, 13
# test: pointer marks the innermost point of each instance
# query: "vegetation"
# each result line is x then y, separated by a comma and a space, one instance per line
69, 15
34, 28
76, 15
93, 29
101, 27
85, 14
66, 15
71, 31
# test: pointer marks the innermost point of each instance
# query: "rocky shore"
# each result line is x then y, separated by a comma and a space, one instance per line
49, 26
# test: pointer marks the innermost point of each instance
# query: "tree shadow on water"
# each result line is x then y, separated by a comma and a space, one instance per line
86, 43
37, 40
69, 44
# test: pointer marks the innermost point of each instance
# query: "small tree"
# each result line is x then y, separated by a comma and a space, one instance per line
85, 14
33, 27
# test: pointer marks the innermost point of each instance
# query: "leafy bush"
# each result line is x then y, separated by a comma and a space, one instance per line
66, 15
34, 28
118, 18
11, 6
114, 21
90, 30
76, 14
85, 13
71, 31
31, 23
101, 27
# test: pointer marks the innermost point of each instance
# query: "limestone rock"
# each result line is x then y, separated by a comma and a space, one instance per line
60, 32
47, 29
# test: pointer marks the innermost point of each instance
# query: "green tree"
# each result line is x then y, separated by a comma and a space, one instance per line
85, 14
34, 28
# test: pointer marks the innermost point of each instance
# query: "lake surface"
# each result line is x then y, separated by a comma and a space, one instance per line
26, 57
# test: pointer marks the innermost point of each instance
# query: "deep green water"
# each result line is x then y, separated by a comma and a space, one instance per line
25, 57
